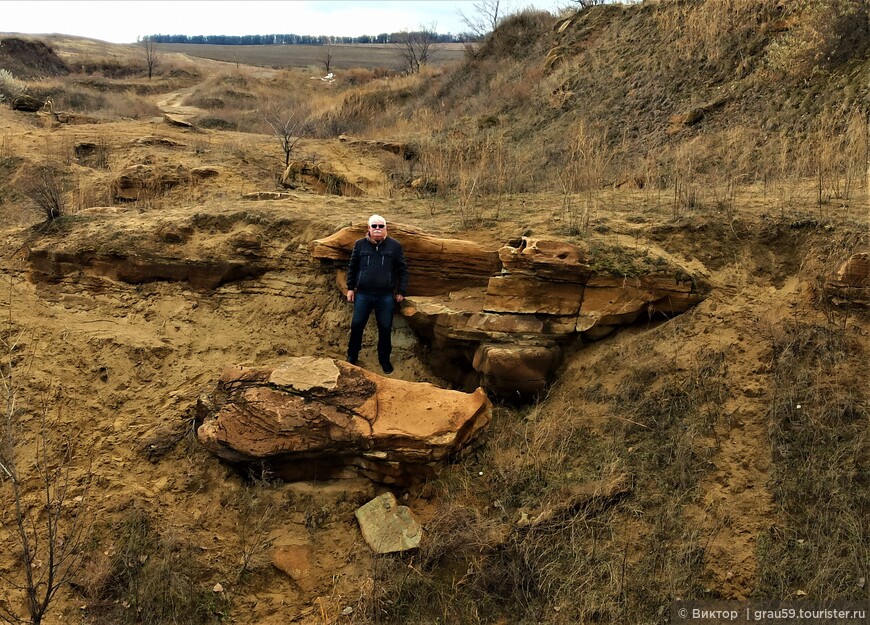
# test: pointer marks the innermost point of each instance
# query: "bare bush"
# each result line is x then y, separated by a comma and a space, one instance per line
256, 515
46, 516
485, 16
417, 47
45, 187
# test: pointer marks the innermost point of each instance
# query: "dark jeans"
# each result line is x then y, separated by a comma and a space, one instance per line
363, 306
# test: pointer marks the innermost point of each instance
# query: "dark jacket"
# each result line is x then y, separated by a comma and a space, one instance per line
377, 269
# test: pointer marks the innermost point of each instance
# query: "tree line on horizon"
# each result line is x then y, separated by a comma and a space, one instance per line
311, 40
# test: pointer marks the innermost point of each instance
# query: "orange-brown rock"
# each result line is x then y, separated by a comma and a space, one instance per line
546, 295
316, 418
556, 261
851, 284
516, 369
435, 266
615, 301
519, 293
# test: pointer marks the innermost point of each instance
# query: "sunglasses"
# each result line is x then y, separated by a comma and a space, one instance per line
378, 226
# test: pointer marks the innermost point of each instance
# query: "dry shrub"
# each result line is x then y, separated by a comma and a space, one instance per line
582, 171
10, 87
104, 100
46, 187
145, 578
475, 170
838, 151
128, 105
256, 516
825, 34
360, 109
359, 76
695, 30
108, 67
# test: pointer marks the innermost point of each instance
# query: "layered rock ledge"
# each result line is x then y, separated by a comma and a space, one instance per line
502, 319
850, 286
319, 418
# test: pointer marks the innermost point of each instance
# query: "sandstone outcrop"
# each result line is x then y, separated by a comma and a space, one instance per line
319, 178
318, 418
851, 284
147, 180
502, 319
405, 150
26, 103
436, 266
50, 265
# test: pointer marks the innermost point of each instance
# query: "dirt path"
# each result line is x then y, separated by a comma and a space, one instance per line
171, 104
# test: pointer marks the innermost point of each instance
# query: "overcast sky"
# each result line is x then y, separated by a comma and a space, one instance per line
123, 21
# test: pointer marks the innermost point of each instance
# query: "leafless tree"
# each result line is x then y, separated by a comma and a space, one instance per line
149, 48
417, 47
46, 525
287, 127
485, 16
327, 59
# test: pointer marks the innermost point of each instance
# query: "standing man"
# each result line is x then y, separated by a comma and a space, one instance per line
377, 278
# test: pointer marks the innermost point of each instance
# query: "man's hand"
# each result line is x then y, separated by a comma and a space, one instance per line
399, 298
350, 295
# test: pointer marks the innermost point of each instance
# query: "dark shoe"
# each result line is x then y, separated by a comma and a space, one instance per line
387, 367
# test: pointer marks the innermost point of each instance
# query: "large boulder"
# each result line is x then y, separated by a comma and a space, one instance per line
319, 418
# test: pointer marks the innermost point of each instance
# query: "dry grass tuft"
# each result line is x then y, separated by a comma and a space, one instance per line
818, 434
143, 577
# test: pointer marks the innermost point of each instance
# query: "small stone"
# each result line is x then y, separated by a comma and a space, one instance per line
217, 588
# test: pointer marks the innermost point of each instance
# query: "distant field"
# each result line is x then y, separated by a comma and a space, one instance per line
344, 56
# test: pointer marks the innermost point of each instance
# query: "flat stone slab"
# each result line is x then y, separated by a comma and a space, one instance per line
388, 527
